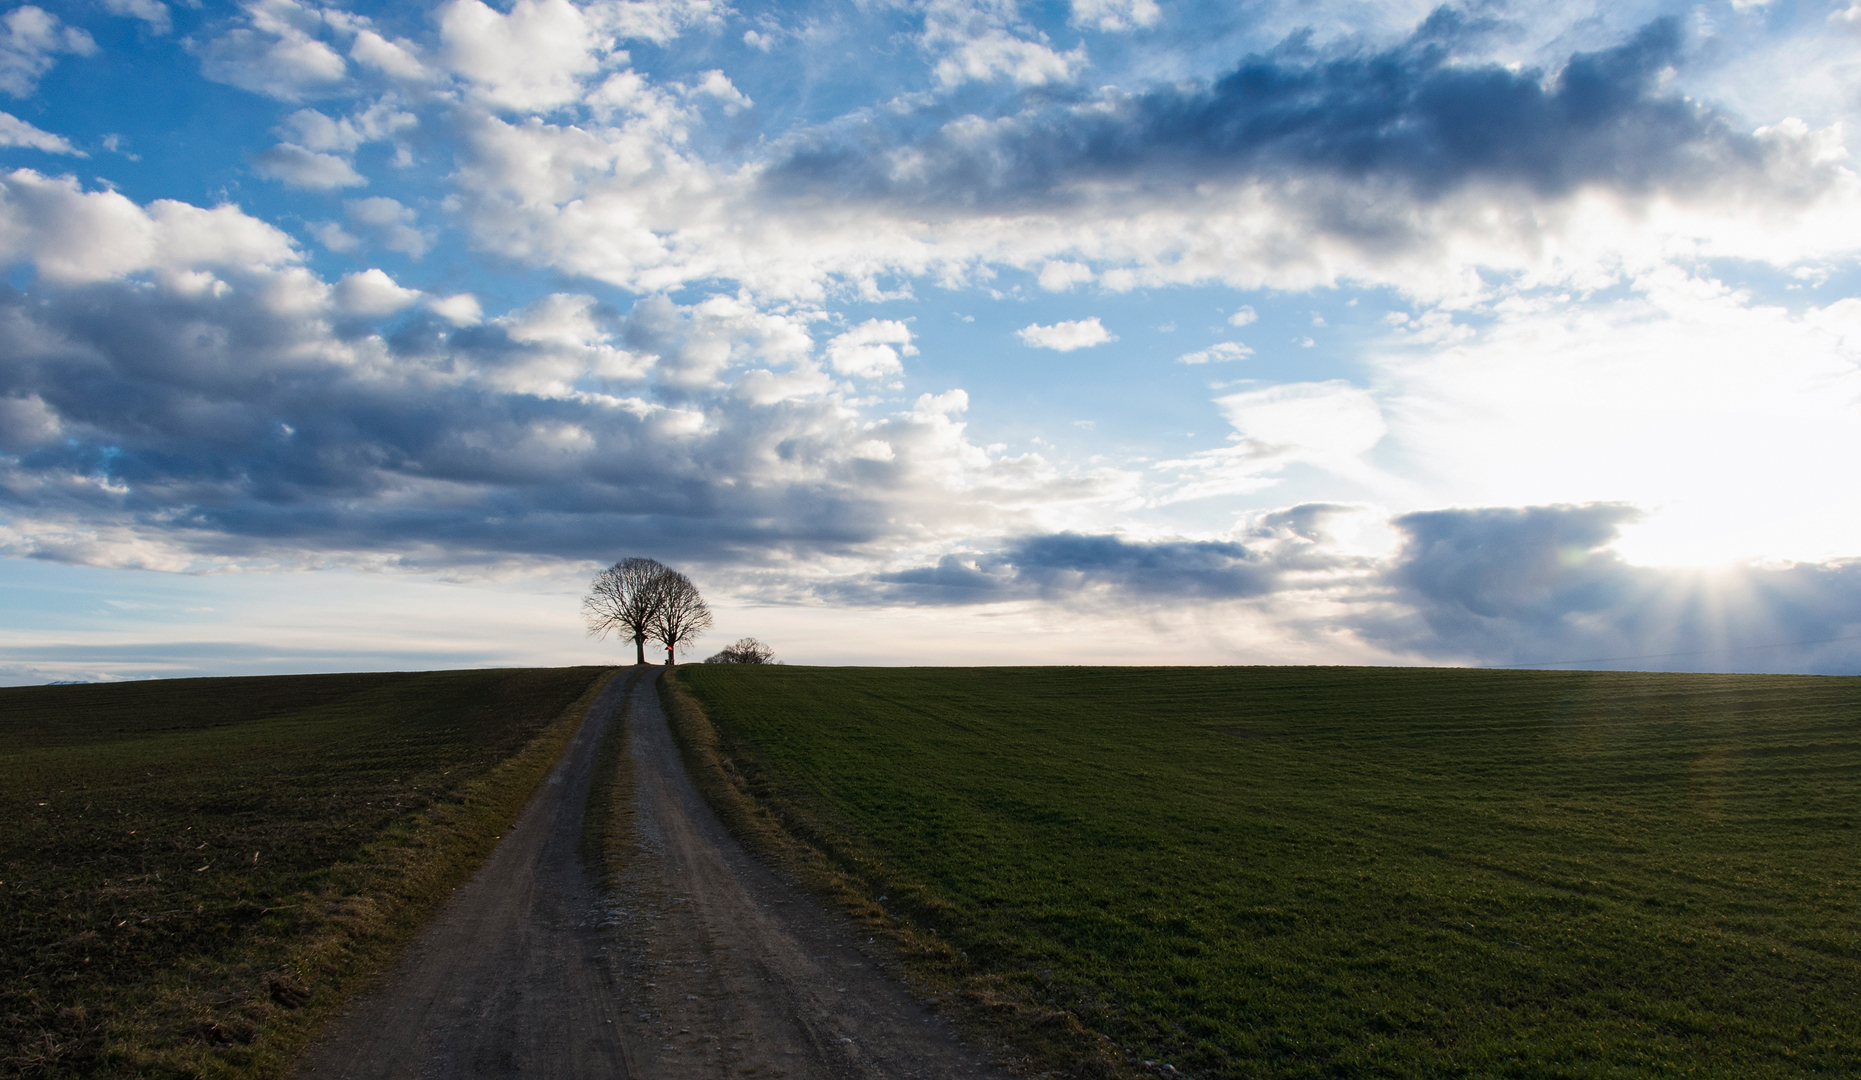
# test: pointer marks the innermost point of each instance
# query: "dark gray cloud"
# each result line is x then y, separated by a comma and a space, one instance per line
1069, 566
1414, 118
1539, 585
224, 426
1065, 565
1498, 586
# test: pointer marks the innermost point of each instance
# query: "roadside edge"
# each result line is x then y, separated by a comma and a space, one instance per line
391, 892
1027, 1035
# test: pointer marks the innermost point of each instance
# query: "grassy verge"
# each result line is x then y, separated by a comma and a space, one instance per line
197, 873
1333, 872
607, 823
818, 847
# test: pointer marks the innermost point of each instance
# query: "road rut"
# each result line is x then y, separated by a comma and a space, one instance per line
696, 961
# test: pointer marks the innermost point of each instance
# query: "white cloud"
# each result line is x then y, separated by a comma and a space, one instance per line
30, 40
276, 53
998, 54
315, 131
1243, 317
1329, 425
866, 350
373, 293
234, 353
335, 237
1059, 276
1731, 422
1322, 422
460, 310
394, 225
715, 85
1066, 336
16, 132
1111, 15
1222, 350
294, 166
532, 59
985, 40
657, 21
396, 59
152, 12
71, 235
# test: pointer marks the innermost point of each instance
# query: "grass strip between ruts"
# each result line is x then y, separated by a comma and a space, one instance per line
1011, 1022
607, 823
244, 999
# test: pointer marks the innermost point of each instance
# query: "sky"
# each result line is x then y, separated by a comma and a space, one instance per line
342, 337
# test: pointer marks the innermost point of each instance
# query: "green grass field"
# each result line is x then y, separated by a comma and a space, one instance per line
1302, 872
191, 869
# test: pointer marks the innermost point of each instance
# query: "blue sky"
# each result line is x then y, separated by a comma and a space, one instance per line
953, 331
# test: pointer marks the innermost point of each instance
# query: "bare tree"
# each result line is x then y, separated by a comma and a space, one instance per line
746, 651
681, 615
625, 599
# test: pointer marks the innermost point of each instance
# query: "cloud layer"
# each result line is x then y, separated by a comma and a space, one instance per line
484, 287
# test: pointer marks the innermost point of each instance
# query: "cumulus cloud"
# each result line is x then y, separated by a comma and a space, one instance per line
718, 87
313, 130
373, 293
540, 434
866, 350
1060, 275
71, 235
180, 392
461, 309
16, 132
295, 166
394, 226
532, 59
396, 59
277, 51
30, 40
1066, 336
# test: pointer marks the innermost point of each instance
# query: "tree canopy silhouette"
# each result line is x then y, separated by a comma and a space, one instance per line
681, 615
746, 651
624, 600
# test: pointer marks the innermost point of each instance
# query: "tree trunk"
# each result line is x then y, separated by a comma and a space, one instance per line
669, 656
639, 646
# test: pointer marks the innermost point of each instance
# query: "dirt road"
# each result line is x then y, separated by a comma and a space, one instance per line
701, 963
